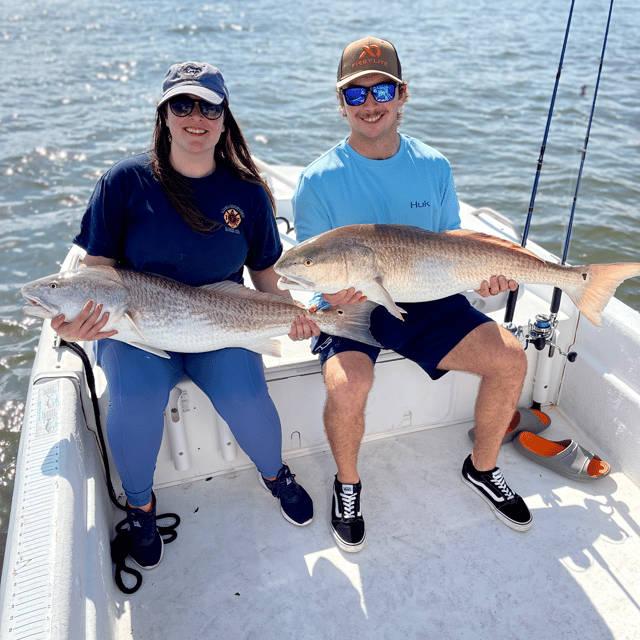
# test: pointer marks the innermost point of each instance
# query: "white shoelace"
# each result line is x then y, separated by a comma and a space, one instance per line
498, 480
348, 505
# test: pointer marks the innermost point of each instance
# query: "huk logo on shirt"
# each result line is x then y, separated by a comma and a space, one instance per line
233, 217
417, 204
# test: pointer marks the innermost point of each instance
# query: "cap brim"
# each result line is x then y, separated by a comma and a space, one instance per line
196, 90
360, 74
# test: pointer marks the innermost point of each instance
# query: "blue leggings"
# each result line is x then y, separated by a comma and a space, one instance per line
139, 387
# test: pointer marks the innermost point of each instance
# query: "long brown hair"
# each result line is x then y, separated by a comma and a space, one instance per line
231, 152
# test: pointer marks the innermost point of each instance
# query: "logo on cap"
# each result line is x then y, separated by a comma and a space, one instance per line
373, 50
191, 70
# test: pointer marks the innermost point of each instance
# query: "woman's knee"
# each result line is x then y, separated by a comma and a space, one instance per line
137, 379
142, 399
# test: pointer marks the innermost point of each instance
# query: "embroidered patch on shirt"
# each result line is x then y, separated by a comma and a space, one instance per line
233, 217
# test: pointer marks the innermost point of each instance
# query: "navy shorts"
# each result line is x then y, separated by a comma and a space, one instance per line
430, 330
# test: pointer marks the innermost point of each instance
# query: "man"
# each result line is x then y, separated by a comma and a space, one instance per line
377, 175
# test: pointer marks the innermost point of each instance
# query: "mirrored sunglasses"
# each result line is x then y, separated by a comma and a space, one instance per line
182, 106
383, 92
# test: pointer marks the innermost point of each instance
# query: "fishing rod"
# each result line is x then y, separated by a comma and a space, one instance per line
542, 331
513, 295
557, 293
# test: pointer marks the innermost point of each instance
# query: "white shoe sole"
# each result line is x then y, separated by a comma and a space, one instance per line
284, 515
349, 548
516, 526
157, 563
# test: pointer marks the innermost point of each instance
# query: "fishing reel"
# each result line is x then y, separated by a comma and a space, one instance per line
540, 333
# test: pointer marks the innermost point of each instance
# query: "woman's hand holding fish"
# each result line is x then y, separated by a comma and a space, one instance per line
304, 328
496, 285
87, 325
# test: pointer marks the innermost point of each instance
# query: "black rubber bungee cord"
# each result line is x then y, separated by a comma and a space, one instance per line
91, 383
513, 295
121, 544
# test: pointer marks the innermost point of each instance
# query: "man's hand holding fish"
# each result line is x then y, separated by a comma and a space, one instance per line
496, 285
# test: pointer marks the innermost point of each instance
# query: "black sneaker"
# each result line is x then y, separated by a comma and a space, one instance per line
491, 485
147, 545
347, 525
295, 503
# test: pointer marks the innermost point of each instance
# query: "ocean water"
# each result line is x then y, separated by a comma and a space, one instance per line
81, 79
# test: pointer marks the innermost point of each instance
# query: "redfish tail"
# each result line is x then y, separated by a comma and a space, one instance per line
600, 283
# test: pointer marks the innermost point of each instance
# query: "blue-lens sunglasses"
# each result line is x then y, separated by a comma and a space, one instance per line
383, 92
182, 106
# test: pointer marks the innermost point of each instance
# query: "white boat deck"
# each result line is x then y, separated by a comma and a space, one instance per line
437, 563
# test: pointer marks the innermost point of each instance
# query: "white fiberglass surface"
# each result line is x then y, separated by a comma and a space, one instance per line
436, 563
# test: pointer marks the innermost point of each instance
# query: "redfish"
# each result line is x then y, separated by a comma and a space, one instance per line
400, 263
157, 314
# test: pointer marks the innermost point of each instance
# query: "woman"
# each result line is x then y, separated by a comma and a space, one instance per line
194, 209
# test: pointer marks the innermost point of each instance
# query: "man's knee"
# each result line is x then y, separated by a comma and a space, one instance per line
509, 357
348, 377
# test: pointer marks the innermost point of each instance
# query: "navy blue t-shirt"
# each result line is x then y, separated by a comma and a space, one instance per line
130, 219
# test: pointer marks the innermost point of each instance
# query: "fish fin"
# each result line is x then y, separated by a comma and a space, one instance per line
600, 283
156, 352
269, 348
129, 317
239, 290
358, 322
477, 236
377, 293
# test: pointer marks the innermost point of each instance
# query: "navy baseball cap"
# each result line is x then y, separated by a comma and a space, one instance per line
198, 78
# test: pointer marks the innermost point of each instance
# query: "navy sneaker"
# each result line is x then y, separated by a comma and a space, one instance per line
347, 524
295, 503
492, 487
147, 546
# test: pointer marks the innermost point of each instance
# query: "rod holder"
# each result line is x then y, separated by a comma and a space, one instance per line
176, 431
228, 444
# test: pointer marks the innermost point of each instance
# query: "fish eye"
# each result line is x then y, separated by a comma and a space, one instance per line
53, 285
308, 262
340, 312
